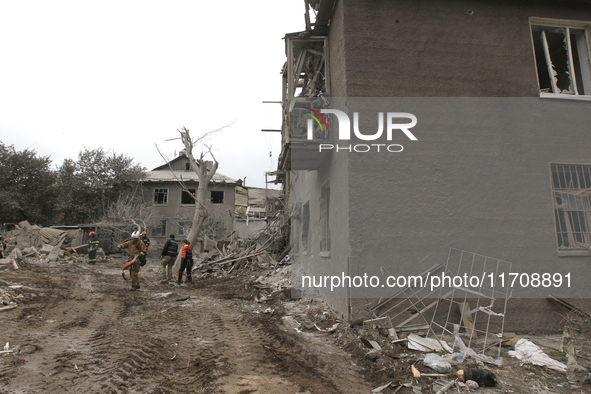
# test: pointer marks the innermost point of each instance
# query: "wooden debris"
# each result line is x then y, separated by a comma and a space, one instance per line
8, 307
570, 306
466, 318
446, 387
381, 388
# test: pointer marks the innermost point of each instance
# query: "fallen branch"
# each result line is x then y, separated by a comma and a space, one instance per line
446, 387
272, 351
7, 308
239, 258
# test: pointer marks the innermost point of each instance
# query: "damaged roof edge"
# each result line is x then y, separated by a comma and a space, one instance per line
324, 13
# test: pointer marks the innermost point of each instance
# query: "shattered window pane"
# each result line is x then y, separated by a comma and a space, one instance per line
217, 197
161, 196
188, 197
562, 60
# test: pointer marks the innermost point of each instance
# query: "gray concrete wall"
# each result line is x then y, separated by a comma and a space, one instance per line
432, 48
174, 212
477, 179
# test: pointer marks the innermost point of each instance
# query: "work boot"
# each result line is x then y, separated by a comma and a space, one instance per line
133, 289
189, 280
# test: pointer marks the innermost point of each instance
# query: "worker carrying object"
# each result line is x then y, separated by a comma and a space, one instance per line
135, 247
186, 262
169, 253
94, 245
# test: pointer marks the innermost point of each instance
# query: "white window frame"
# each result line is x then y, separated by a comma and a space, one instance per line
163, 191
583, 67
571, 205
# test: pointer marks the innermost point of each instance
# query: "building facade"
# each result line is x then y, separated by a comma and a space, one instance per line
174, 206
516, 191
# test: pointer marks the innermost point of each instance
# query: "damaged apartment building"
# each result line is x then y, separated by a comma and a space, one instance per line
500, 162
175, 207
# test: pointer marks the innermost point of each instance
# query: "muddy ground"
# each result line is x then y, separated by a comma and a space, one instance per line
78, 329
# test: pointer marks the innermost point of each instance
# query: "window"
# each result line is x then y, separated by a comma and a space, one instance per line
184, 228
571, 191
161, 196
188, 197
187, 166
217, 197
160, 229
324, 219
305, 225
562, 56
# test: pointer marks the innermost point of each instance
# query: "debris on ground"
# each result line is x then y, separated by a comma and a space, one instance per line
530, 353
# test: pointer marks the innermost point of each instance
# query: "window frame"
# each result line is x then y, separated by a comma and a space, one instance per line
161, 225
584, 57
564, 219
163, 191
325, 243
305, 232
211, 196
184, 193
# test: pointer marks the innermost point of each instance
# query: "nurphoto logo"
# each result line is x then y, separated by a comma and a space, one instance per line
391, 119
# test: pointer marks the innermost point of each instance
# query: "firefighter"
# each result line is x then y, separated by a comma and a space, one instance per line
135, 247
169, 253
94, 245
186, 262
146, 242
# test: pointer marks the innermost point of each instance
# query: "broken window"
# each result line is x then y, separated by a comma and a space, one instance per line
571, 189
217, 197
305, 225
562, 58
188, 197
324, 218
184, 228
161, 196
160, 229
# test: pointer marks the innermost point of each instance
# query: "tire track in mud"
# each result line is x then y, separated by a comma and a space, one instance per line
90, 334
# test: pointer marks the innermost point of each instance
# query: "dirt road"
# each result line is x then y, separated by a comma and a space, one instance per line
79, 329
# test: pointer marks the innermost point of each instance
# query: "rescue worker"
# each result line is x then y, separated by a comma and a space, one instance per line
186, 262
146, 242
169, 253
94, 245
135, 247
2, 246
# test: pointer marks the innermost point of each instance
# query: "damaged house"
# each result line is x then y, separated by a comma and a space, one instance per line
494, 158
175, 207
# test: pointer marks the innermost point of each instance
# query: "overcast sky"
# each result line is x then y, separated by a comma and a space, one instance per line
125, 75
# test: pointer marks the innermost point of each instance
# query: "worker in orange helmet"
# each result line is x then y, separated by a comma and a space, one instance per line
186, 262
94, 245
135, 247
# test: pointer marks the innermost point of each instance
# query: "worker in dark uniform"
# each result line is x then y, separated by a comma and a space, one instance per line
93, 246
146, 242
186, 262
135, 247
169, 253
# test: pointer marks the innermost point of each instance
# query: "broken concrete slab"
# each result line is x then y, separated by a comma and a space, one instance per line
416, 342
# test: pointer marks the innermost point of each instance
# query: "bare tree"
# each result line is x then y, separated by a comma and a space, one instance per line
199, 166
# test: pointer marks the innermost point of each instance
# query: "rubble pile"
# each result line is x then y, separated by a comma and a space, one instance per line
264, 249
47, 245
